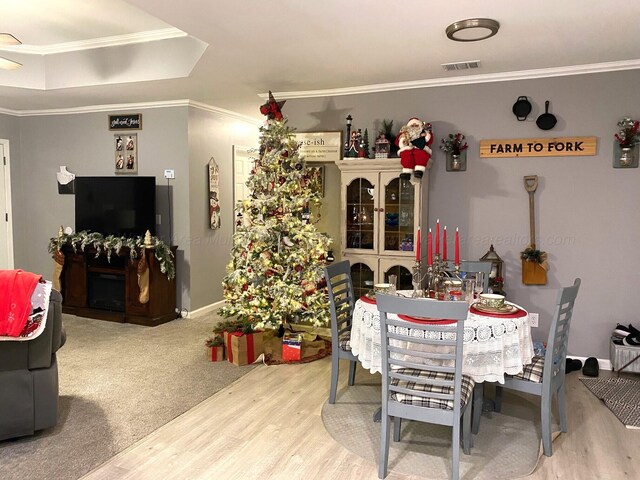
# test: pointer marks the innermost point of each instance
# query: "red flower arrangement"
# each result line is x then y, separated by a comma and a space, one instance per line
628, 136
453, 144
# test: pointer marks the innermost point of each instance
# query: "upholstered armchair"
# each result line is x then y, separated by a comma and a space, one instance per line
29, 378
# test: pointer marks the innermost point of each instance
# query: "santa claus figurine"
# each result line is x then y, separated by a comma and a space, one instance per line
413, 147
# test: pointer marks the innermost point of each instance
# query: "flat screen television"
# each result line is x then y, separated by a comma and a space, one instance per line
122, 206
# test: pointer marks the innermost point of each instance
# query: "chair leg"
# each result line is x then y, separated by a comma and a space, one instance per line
352, 372
335, 368
467, 438
397, 425
384, 445
562, 411
498, 399
545, 412
455, 463
478, 399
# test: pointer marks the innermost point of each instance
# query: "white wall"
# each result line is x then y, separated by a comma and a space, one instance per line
587, 215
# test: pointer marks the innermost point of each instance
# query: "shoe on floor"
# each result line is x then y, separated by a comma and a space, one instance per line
572, 365
591, 367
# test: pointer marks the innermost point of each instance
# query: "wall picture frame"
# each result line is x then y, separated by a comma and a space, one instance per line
125, 148
215, 220
130, 121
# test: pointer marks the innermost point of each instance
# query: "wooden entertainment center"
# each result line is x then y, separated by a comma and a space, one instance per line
95, 287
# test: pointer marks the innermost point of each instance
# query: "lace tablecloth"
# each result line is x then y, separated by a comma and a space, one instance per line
493, 345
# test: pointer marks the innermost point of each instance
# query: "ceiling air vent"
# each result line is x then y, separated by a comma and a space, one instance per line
450, 67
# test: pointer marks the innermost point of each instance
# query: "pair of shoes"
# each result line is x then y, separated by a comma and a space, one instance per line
591, 367
572, 365
622, 331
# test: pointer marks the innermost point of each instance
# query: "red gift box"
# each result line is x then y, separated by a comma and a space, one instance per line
292, 347
243, 348
215, 354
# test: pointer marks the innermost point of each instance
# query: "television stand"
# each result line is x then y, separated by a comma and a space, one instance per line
94, 287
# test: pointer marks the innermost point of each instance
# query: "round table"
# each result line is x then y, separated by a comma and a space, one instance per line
494, 345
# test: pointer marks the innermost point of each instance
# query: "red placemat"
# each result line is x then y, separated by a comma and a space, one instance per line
517, 314
366, 299
432, 321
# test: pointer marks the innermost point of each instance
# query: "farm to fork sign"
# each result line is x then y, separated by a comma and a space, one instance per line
538, 147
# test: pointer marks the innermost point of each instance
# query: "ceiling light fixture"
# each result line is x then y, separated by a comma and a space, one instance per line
472, 29
5, 63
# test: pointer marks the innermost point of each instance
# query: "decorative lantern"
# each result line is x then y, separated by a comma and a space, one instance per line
496, 277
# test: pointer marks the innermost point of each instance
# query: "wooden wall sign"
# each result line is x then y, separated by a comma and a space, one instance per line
538, 147
125, 122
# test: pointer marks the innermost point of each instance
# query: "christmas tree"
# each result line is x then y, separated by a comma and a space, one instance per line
275, 275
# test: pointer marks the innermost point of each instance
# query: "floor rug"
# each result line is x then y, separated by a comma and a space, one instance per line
620, 395
507, 446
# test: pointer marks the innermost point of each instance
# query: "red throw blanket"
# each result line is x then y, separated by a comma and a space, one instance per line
16, 287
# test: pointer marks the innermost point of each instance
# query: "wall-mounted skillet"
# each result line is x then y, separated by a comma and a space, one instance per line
546, 121
521, 108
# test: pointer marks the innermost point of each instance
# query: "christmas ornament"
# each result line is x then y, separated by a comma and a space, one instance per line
272, 109
298, 166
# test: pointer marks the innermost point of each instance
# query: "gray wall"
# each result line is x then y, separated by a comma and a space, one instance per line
587, 215
178, 138
211, 135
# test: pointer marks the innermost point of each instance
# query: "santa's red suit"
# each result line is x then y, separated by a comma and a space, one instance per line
413, 142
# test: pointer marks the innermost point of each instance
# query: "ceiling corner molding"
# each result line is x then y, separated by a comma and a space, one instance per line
97, 108
464, 80
225, 113
114, 41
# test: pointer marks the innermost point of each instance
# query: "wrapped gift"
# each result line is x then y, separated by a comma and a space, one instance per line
243, 348
215, 354
292, 347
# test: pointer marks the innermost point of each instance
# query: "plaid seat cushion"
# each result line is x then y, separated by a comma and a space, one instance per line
465, 395
533, 371
345, 341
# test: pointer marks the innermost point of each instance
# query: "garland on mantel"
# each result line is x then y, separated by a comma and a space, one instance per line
109, 244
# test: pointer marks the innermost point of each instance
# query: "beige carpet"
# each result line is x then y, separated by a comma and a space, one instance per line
507, 446
118, 383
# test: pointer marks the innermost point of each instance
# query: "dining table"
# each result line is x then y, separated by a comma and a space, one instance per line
495, 344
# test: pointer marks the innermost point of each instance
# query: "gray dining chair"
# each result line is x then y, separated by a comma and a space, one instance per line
341, 303
419, 381
544, 376
473, 266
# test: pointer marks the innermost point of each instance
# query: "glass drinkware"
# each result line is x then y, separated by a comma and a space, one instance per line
479, 283
469, 289
393, 280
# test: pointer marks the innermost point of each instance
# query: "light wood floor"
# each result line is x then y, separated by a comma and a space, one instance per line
268, 425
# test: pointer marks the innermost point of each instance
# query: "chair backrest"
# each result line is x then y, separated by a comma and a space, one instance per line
424, 346
473, 266
554, 361
341, 298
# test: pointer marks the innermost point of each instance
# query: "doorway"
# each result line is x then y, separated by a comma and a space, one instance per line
6, 235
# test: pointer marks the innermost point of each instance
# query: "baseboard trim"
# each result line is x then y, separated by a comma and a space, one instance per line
206, 309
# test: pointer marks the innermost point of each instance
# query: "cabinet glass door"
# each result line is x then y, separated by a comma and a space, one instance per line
398, 214
360, 214
403, 276
362, 278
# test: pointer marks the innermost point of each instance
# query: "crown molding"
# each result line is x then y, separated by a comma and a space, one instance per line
132, 106
464, 80
224, 113
113, 41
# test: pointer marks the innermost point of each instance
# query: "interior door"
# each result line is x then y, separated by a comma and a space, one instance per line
243, 158
6, 240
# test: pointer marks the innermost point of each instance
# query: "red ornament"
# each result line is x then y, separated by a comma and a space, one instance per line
245, 287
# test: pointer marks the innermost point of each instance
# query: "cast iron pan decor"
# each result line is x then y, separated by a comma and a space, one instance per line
521, 108
546, 121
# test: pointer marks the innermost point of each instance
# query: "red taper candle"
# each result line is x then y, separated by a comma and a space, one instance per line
418, 246
429, 248
437, 236
444, 244
457, 248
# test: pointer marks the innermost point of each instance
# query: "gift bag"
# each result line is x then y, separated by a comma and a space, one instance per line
243, 348
292, 347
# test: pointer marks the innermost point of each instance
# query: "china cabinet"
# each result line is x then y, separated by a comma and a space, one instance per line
380, 214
